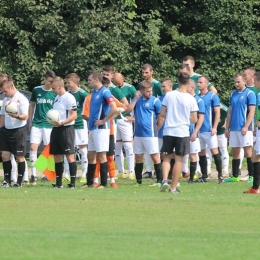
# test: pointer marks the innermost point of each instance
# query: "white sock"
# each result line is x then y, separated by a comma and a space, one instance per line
119, 156
148, 162
225, 158
14, 169
129, 156
33, 158
112, 180
185, 164
84, 161
25, 176
198, 164
241, 156
209, 160
66, 168
96, 180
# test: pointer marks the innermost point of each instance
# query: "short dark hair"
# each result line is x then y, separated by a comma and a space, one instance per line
188, 57
147, 66
239, 75
105, 81
96, 75
146, 84
257, 75
50, 74
205, 77
184, 66
108, 68
8, 80
183, 78
166, 79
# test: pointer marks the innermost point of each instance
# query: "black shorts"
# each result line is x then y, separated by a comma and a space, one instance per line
13, 140
62, 140
180, 144
111, 150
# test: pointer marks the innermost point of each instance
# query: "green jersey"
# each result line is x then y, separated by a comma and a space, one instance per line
256, 91
157, 88
80, 96
223, 115
116, 92
43, 100
194, 77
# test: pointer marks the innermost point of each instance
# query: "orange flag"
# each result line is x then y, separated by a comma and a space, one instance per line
45, 163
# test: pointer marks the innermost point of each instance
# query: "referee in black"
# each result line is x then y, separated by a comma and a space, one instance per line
13, 132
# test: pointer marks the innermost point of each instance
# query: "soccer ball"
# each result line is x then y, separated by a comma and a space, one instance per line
11, 107
52, 115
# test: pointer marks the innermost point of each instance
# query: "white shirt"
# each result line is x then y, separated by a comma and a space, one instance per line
64, 104
179, 107
23, 106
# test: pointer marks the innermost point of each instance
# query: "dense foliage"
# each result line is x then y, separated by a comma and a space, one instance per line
79, 35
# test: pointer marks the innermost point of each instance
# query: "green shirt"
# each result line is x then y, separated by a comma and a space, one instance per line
80, 96
194, 77
43, 100
223, 115
256, 91
116, 92
157, 88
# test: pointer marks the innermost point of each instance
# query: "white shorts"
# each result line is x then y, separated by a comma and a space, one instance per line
124, 130
222, 141
257, 142
160, 143
98, 140
236, 139
39, 135
81, 137
207, 140
147, 145
195, 146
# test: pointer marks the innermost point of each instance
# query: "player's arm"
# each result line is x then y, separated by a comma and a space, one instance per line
112, 112
86, 105
250, 116
160, 121
131, 106
228, 122
216, 120
199, 123
30, 116
194, 117
163, 111
2, 120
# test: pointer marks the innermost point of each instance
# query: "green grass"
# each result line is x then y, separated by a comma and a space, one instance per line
204, 221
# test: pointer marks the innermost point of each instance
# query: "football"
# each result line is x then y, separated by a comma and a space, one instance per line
52, 115
11, 107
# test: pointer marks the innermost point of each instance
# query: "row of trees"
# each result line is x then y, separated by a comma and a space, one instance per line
82, 35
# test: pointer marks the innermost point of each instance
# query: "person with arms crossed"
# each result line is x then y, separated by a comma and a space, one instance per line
176, 130
63, 134
13, 132
240, 125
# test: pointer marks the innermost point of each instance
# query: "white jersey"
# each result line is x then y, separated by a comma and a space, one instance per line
23, 106
64, 104
179, 106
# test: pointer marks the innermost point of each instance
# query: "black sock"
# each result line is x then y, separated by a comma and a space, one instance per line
170, 172
250, 166
103, 173
20, 170
73, 172
158, 172
59, 168
90, 173
7, 166
193, 166
256, 175
218, 163
203, 166
235, 167
138, 172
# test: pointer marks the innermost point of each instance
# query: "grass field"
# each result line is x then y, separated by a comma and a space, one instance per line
204, 221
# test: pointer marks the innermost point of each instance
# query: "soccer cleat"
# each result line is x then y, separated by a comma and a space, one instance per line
5, 185
85, 185
232, 179
245, 178
122, 175
252, 191
16, 185
114, 185
220, 181
65, 178
101, 187
147, 175
138, 185
250, 179
157, 184
95, 184
202, 180
239, 174
169, 181
25, 182
132, 176
82, 179
44, 179
71, 186
56, 186
164, 186
190, 181
33, 180
174, 191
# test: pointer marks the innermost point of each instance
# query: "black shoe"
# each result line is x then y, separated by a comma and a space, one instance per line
56, 186
190, 181
174, 191
16, 185
201, 180
44, 179
220, 181
5, 185
147, 175
33, 180
71, 186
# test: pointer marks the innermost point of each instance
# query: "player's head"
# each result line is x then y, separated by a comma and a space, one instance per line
48, 77
95, 79
105, 82
166, 85
191, 87
239, 81
3, 77
72, 81
184, 68
57, 85
189, 60
118, 79
146, 89
257, 79
203, 83
7, 87
183, 78
249, 74
147, 72
108, 72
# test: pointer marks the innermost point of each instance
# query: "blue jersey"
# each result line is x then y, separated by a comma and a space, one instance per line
211, 100
160, 132
146, 111
99, 107
240, 102
201, 110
